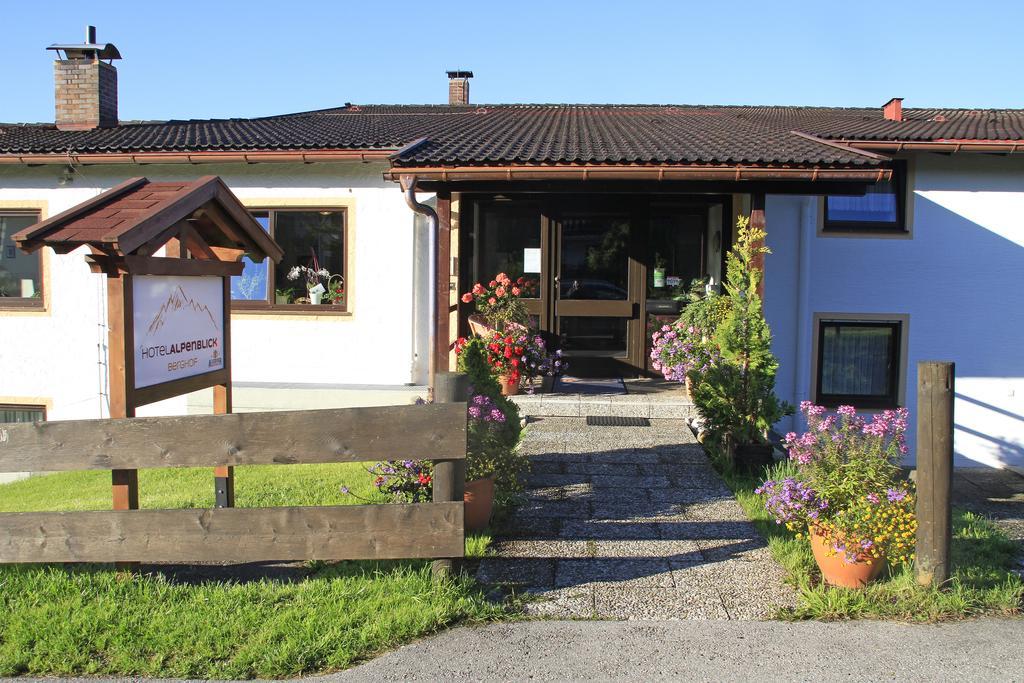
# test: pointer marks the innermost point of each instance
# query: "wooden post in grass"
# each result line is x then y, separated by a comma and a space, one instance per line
449, 475
935, 389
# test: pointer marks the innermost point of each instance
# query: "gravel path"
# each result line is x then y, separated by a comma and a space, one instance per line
631, 523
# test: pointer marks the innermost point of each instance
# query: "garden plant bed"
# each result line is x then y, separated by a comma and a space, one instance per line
983, 582
219, 621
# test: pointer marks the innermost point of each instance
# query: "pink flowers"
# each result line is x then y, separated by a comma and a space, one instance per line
846, 431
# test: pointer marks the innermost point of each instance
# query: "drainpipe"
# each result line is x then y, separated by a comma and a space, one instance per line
806, 236
409, 187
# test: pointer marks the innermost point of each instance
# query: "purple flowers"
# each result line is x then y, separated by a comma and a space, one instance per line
790, 501
484, 409
846, 432
676, 351
895, 495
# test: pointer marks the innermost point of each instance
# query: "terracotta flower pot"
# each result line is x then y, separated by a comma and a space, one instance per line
479, 499
508, 387
836, 570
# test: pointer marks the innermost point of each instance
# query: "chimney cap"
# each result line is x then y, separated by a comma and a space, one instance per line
89, 49
460, 74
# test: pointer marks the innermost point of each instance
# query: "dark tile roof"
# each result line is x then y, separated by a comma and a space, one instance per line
560, 133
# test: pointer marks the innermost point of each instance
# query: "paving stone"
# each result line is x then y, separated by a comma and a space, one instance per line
555, 479
721, 510
575, 602
531, 571
622, 469
681, 552
749, 590
560, 457
640, 482
658, 604
696, 530
745, 549
680, 469
634, 457
692, 454
532, 527
595, 530
623, 572
688, 496
633, 510
616, 409
547, 467
559, 509
542, 549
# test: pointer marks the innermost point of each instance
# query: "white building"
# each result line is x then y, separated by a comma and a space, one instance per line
918, 256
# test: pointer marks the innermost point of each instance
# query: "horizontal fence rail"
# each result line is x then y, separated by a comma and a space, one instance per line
435, 432
346, 532
423, 432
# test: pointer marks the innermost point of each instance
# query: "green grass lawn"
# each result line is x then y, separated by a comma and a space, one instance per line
981, 584
94, 620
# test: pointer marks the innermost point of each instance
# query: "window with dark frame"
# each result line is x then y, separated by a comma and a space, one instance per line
881, 209
308, 237
16, 412
859, 363
21, 274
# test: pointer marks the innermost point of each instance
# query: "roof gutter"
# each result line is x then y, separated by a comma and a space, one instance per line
409, 188
948, 146
206, 157
536, 172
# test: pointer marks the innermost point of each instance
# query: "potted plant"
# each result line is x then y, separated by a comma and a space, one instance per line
283, 296
682, 353
314, 277
848, 494
335, 293
736, 396
659, 271
499, 304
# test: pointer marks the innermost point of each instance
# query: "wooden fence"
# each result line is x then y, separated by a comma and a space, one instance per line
434, 432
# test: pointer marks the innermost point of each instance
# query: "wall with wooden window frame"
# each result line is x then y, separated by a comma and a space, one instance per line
41, 209
902, 347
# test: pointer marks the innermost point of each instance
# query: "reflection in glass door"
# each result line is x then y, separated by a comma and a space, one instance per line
594, 305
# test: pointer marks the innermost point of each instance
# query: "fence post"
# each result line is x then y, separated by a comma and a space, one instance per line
449, 475
935, 390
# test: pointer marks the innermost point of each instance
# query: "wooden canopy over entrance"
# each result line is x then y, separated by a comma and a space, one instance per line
139, 216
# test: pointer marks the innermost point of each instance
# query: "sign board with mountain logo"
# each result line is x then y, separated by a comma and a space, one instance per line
179, 327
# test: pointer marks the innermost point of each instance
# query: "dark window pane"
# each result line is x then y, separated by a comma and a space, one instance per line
878, 205
251, 285
506, 239
595, 258
857, 360
675, 252
593, 336
308, 237
19, 272
21, 414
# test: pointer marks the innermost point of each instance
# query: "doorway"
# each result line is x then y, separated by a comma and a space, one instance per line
602, 269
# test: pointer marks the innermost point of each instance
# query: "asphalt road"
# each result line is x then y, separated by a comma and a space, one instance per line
983, 650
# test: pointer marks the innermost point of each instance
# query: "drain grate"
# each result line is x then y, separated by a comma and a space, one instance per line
613, 421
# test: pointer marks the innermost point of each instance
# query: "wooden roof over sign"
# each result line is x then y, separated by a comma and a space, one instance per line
139, 216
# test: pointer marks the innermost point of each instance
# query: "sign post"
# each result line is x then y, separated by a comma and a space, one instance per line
168, 317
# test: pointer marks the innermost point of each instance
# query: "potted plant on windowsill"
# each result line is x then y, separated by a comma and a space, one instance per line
847, 493
335, 293
283, 296
736, 396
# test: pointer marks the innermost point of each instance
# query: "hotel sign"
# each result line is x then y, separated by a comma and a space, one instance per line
178, 327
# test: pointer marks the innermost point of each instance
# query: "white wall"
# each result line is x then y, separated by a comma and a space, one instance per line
959, 279
59, 355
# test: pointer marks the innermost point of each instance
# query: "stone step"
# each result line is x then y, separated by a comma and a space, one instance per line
585, 405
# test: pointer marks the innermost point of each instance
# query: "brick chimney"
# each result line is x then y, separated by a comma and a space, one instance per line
458, 87
85, 87
893, 109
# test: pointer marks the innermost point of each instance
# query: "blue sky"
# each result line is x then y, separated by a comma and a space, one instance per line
221, 58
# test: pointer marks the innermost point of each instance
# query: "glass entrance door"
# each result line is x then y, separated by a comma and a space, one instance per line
594, 305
